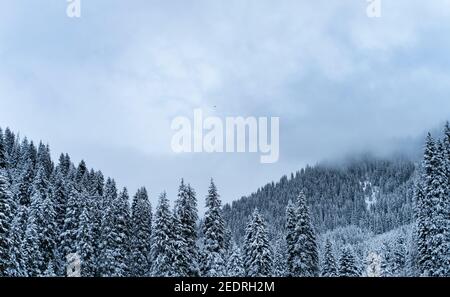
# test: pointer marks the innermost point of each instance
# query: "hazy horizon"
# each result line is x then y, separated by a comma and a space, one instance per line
105, 87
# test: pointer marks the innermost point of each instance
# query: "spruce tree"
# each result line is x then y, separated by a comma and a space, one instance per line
31, 252
432, 212
122, 220
329, 265
69, 235
108, 236
141, 226
235, 266
17, 266
3, 161
186, 229
85, 238
347, 263
162, 243
280, 258
399, 257
5, 223
214, 236
301, 240
257, 250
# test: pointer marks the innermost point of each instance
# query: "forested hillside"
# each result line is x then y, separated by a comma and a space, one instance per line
372, 193
369, 217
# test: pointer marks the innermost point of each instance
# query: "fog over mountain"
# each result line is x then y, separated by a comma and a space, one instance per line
106, 91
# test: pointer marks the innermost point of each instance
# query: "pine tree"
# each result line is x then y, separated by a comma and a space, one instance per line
3, 161
69, 235
399, 257
107, 241
329, 266
50, 235
84, 238
301, 240
186, 229
141, 226
234, 263
5, 221
30, 248
122, 218
432, 212
16, 235
280, 258
214, 232
162, 244
257, 250
386, 260
347, 263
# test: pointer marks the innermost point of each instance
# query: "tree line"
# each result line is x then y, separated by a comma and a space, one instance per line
49, 211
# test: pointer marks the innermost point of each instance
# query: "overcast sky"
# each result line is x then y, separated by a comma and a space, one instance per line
106, 87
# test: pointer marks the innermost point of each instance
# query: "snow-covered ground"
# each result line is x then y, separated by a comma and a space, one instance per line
371, 193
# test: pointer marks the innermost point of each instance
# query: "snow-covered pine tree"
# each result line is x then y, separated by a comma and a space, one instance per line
386, 260
291, 236
432, 212
257, 253
279, 268
347, 263
96, 193
162, 244
235, 266
107, 241
16, 235
24, 185
5, 223
303, 258
69, 235
399, 257
84, 238
122, 224
44, 159
41, 213
31, 252
3, 162
50, 235
140, 242
329, 265
212, 262
446, 203
186, 230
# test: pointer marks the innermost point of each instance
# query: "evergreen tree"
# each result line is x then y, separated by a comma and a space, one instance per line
399, 257
329, 266
386, 260
122, 218
432, 212
16, 235
141, 226
301, 240
162, 244
186, 229
84, 238
30, 248
3, 161
69, 235
347, 263
257, 251
280, 259
5, 221
234, 263
107, 262
214, 232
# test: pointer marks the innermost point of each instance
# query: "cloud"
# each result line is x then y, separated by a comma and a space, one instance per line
106, 87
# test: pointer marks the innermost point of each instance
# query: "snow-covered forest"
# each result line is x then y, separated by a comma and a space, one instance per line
370, 217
